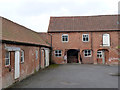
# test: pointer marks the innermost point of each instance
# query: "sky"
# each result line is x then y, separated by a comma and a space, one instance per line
35, 14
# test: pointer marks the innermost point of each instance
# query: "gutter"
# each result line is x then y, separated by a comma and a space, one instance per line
82, 31
22, 43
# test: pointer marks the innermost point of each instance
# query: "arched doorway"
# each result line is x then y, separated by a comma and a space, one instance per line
72, 56
102, 56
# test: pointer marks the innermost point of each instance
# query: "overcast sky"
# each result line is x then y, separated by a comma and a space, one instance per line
35, 14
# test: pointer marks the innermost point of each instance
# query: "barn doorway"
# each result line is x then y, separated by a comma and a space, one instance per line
72, 56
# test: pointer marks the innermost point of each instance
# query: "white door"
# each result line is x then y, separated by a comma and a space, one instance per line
47, 57
17, 64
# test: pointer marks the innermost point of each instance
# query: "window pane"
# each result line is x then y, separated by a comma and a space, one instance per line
85, 51
97, 55
98, 52
59, 54
56, 51
7, 62
7, 58
83, 39
63, 39
88, 51
89, 54
87, 39
7, 55
59, 51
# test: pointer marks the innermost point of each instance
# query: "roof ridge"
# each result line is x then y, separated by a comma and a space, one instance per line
84, 16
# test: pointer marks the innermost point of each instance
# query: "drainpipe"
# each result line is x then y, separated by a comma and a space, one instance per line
92, 47
51, 50
91, 41
40, 58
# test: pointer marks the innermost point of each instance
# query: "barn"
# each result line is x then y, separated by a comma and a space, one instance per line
85, 39
24, 52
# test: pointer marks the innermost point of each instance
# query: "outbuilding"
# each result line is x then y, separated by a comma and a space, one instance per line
21, 52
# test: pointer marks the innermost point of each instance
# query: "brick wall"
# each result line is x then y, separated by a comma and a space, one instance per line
0, 53
30, 65
94, 44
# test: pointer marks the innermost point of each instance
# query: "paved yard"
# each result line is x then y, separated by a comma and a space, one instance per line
72, 76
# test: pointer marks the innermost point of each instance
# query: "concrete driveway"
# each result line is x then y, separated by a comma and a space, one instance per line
72, 76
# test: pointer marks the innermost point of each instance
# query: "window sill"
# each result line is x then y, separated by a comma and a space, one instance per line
22, 62
87, 56
85, 41
104, 46
58, 56
7, 66
64, 41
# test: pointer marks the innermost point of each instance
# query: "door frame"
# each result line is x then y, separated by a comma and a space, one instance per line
78, 51
17, 65
103, 57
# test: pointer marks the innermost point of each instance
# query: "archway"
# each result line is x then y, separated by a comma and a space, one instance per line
102, 56
72, 56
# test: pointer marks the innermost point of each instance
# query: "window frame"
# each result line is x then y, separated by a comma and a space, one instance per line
58, 53
36, 54
87, 53
22, 56
99, 54
82, 37
67, 37
7, 58
105, 34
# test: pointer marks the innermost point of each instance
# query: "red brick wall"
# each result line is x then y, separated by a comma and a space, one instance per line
30, 65
95, 44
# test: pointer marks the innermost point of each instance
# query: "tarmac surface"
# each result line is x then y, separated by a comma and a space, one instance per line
72, 76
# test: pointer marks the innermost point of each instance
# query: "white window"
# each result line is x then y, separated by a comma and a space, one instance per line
36, 54
58, 53
85, 37
99, 54
22, 56
7, 58
106, 40
65, 38
87, 53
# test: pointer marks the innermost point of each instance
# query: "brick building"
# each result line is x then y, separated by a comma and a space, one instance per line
85, 39
23, 52
77, 39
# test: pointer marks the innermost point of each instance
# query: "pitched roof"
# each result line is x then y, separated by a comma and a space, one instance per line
46, 37
83, 23
14, 32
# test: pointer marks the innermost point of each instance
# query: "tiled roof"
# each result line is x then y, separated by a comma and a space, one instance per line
14, 32
84, 23
46, 37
